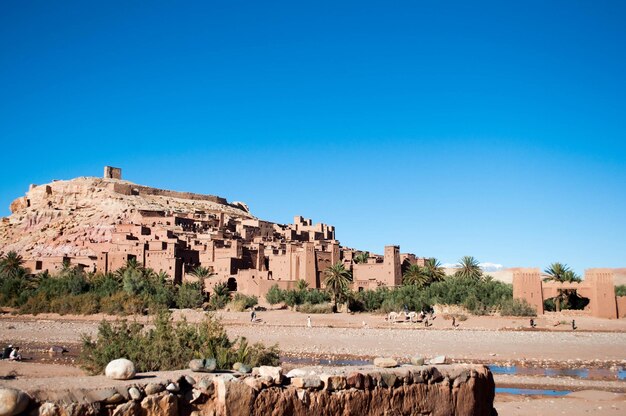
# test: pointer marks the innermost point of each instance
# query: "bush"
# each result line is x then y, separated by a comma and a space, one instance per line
316, 296
241, 302
274, 295
190, 295
315, 308
11, 290
170, 346
122, 303
620, 290
517, 307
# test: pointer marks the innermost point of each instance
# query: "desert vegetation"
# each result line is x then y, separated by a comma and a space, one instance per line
169, 346
132, 289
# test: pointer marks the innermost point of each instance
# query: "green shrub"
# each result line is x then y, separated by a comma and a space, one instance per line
241, 302
315, 308
316, 296
11, 290
190, 295
293, 297
620, 290
274, 295
170, 346
517, 307
105, 284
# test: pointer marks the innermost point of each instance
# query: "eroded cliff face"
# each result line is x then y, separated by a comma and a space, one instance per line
411, 390
66, 217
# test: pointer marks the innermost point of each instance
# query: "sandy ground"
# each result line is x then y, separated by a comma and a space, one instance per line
588, 402
596, 343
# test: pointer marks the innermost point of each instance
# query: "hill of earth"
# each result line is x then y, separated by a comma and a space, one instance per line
64, 217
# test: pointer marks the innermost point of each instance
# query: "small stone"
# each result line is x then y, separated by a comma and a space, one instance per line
154, 388
276, 373
356, 380
134, 393
297, 372
417, 360
237, 365
383, 362
390, 379
49, 409
210, 364
120, 369
190, 380
309, 382
196, 365
172, 388
244, 369
115, 399
205, 384
334, 383
440, 359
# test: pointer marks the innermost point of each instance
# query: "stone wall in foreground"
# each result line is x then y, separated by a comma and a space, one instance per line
408, 390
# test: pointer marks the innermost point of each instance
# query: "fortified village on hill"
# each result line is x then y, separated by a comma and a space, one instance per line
101, 224
248, 254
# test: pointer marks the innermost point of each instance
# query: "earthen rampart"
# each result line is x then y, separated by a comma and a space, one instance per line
132, 189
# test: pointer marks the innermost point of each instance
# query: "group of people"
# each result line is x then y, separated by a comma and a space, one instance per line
12, 353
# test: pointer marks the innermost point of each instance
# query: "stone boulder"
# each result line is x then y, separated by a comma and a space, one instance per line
205, 365
383, 362
120, 369
275, 373
12, 401
440, 359
417, 360
297, 372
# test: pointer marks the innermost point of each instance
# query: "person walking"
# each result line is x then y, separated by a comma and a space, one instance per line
308, 321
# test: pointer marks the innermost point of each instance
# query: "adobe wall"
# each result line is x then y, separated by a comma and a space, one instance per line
621, 306
132, 189
597, 286
413, 390
388, 273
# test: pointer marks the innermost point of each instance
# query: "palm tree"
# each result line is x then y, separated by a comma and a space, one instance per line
302, 285
202, 273
11, 265
131, 264
434, 271
469, 268
558, 272
415, 276
362, 257
337, 281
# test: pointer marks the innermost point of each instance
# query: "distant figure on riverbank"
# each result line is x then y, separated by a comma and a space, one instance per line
6, 353
15, 354
308, 321
253, 316
574, 327
532, 323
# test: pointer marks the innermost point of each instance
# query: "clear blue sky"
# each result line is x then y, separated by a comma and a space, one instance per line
494, 129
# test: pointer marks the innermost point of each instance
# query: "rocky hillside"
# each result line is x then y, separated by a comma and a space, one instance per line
64, 217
